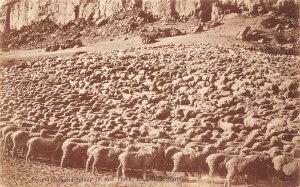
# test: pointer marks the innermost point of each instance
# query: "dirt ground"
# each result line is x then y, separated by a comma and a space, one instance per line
222, 35
15, 172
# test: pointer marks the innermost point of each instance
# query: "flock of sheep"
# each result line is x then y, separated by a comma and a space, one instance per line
199, 108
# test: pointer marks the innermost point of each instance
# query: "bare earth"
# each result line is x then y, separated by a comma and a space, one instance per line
15, 172
222, 35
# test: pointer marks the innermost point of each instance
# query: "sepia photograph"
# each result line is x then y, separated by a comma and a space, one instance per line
149, 93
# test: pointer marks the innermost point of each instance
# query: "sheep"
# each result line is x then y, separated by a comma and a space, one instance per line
295, 152
169, 152
252, 122
216, 163
191, 160
72, 151
76, 147
44, 146
76, 140
5, 130
20, 139
296, 140
226, 126
255, 165
277, 123
287, 166
103, 156
143, 158
194, 146
231, 136
221, 143
250, 141
231, 150
7, 143
274, 151
94, 152
90, 151
288, 147
260, 146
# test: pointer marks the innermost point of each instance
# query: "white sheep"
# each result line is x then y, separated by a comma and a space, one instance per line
191, 160
5, 130
295, 152
46, 146
7, 146
169, 152
76, 140
216, 163
143, 158
76, 147
287, 166
105, 157
254, 165
74, 151
20, 139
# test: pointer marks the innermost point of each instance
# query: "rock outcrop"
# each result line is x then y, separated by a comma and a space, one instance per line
17, 13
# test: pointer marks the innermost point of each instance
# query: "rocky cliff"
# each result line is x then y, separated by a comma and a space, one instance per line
16, 13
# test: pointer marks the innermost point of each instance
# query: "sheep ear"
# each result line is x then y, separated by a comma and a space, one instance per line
165, 146
265, 154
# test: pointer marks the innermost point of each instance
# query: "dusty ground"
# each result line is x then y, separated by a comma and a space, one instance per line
15, 172
222, 34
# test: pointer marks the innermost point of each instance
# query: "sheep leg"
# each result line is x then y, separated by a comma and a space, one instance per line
13, 151
88, 163
199, 174
84, 161
275, 180
255, 179
236, 179
227, 180
145, 171
246, 178
124, 170
63, 161
225, 183
28, 156
186, 173
210, 176
95, 163
4, 151
154, 165
173, 171
8, 151
119, 169
23, 151
52, 158
175, 168
165, 168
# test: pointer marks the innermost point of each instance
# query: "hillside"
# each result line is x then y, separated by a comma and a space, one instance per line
150, 95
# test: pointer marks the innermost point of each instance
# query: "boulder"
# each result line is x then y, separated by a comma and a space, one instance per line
243, 33
198, 28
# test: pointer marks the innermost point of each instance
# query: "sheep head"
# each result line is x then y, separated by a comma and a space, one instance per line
58, 137
209, 149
